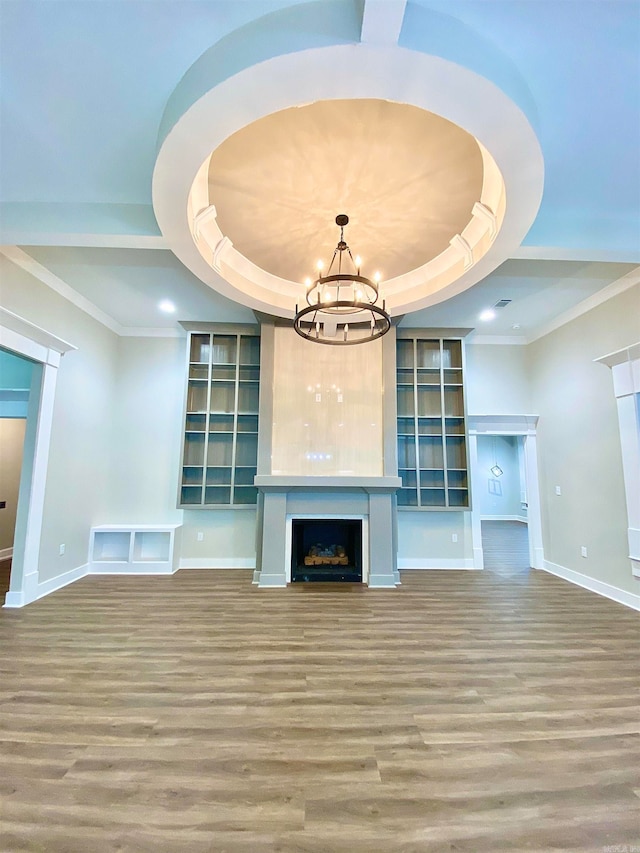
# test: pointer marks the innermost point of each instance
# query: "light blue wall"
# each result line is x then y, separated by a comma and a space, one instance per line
499, 496
15, 371
15, 381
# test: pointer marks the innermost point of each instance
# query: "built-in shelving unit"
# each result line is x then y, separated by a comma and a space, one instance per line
432, 449
134, 549
220, 452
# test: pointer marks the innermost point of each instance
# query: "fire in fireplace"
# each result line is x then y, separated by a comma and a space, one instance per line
326, 549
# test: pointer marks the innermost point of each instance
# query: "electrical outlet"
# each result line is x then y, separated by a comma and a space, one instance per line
200, 536
583, 551
61, 550
454, 537
558, 490
3, 504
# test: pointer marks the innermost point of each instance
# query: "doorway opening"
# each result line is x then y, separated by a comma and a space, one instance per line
503, 504
15, 383
44, 350
506, 518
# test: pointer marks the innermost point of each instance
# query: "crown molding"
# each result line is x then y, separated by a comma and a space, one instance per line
498, 340
150, 332
23, 260
561, 253
631, 279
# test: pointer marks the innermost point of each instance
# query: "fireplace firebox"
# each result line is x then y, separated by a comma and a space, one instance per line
326, 549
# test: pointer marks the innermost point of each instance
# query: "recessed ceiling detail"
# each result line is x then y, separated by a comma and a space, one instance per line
246, 190
407, 178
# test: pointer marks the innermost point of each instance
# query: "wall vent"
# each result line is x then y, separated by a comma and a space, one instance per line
502, 304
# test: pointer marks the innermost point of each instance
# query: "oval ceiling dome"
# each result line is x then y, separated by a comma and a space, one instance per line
407, 179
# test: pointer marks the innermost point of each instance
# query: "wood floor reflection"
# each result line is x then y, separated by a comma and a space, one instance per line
463, 711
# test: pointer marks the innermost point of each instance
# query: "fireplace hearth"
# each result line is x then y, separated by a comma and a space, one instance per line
326, 549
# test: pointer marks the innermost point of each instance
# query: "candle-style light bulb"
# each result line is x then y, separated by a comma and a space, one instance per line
307, 281
358, 263
320, 266
376, 277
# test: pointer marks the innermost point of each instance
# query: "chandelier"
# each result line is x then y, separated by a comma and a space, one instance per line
342, 307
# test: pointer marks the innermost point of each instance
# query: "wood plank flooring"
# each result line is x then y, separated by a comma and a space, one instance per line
464, 711
505, 547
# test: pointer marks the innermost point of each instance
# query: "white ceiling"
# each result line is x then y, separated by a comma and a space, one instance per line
406, 178
84, 87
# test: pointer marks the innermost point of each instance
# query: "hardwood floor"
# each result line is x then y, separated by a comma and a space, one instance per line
505, 547
464, 711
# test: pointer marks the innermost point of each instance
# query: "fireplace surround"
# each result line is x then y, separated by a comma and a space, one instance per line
326, 449
370, 500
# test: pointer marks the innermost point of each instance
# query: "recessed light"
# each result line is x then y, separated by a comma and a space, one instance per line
488, 314
167, 306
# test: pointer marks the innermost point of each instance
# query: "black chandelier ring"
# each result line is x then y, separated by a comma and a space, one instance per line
376, 329
356, 312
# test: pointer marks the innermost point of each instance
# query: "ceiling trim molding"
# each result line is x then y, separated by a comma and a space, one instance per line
23, 260
150, 332
85, 241
631, 279
100, 226
561, 253
498, 340
382, 22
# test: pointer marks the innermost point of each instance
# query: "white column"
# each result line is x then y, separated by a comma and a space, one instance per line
476, 524
534, 515
625, 367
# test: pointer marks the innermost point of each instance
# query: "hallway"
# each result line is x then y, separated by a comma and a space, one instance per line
505, 546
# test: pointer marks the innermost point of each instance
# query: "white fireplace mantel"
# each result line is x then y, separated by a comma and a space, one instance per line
288, 483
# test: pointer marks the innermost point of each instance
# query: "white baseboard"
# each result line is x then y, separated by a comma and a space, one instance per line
382, 582
521, 518
131, 569
38, 590
6, 553
208, 563
450, 564
272, 581
629, 599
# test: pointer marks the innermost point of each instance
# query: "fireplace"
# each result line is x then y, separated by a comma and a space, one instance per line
326, 549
